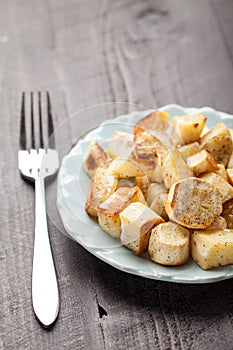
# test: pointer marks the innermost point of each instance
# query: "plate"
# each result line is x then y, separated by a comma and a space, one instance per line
72, 189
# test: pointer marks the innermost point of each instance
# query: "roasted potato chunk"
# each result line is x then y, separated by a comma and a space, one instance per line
158, 205
101, 187
137, 220
125, 168
204, 131
211, 249
143, 183
120, 145
202, 162
154, 190
189, 149
221, 171
96, 157
227, 213
219, 224
157, 121
230, 163
187, 128
145, 157
219, 143
174, 168
229, 173
194, 203
127, 182
158, 141
231, 131
169, 244
109, 210
184, 178
224, 187
156, 174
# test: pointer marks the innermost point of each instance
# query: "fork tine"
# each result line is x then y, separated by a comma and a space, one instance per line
22, 140
50, 122
40, 121
32, 122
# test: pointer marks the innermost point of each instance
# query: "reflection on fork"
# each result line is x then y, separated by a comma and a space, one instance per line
37, 164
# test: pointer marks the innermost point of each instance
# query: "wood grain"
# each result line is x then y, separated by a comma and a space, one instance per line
100, 59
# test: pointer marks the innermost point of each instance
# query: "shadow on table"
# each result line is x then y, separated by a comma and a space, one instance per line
196, 299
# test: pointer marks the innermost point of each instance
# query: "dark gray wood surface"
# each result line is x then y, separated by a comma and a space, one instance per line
87, 53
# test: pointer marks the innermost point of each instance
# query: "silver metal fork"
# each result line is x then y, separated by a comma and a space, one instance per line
37, 164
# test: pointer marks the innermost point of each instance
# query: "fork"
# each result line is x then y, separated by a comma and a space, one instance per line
37, 165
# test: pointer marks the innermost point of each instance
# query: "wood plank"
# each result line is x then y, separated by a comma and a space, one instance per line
90, 54
222, 11
31, 68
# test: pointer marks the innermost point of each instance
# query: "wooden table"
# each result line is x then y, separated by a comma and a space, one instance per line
91, 53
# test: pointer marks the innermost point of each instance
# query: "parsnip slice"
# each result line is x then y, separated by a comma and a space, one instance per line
169, 244
194, 203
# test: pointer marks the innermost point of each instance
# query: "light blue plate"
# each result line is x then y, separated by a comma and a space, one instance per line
72, 189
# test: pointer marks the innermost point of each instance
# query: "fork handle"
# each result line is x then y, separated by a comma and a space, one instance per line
45, 297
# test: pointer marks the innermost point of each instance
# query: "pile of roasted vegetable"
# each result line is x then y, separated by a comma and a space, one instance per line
168, 194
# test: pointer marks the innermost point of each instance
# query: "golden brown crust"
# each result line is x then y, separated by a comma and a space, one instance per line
187, 128
96, 157
102, 185
145, 157
202, 162
118, 201
156, 120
